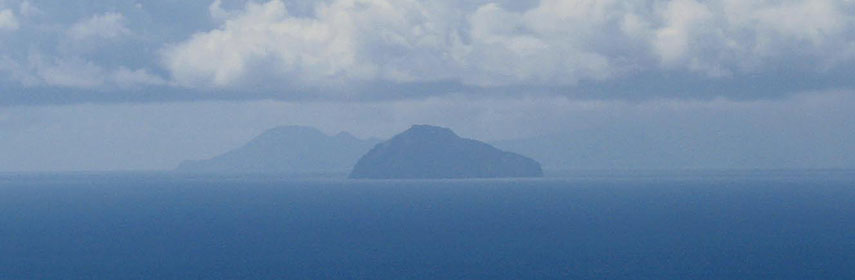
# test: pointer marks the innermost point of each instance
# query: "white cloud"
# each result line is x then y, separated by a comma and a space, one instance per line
556, 42
682, 20
274, 47
811, 21
74, 63
396, 41
732, 36
75, 72
104, 26
79, 73
348, 40
8, 20
217, 12
542, 46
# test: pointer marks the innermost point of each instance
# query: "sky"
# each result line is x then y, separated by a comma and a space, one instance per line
130, 85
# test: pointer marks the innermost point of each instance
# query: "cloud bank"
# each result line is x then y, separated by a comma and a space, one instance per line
557, 42
354, 49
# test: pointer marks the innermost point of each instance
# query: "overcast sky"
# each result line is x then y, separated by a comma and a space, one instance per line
117, 85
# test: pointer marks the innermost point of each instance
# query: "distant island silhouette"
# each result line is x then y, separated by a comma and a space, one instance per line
421, 152
287, 149
430, 152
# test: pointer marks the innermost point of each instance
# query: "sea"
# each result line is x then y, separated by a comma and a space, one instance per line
721, 224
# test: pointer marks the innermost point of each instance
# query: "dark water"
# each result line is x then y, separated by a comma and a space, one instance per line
726, 225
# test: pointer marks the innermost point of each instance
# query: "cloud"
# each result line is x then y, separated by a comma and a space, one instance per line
125, 78
682, 19
554, 43
78, 73
387, 49
75, 57
731, 37
393, 41
8, 20
104, 26
217, 12
346, 41
540, 46
75, 72
27, 9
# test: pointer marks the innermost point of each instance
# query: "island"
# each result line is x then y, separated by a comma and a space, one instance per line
287, 150
431, 152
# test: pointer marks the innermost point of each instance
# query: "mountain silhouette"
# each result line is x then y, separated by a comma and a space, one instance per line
430, 152
287, 149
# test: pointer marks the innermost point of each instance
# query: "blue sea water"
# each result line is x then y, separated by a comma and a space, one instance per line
587, 225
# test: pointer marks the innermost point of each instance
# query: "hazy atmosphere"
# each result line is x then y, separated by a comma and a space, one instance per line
576, 84
427, 139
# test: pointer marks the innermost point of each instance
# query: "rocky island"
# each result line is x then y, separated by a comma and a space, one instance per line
287, 149
430, 152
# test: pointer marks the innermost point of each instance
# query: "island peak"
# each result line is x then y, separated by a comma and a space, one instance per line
432, 152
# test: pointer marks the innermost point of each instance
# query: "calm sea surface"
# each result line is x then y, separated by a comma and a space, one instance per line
588, 225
